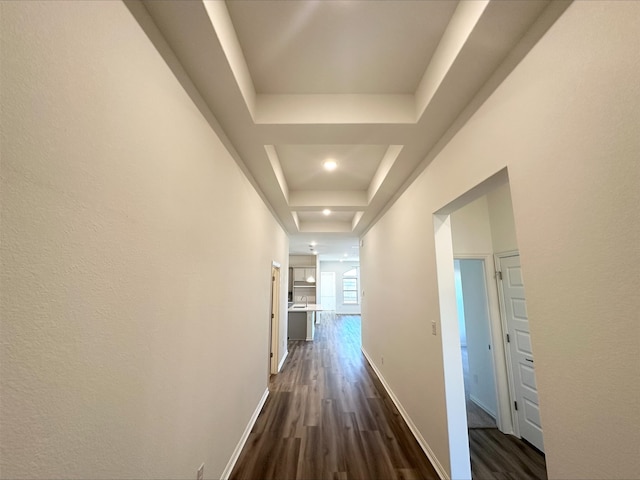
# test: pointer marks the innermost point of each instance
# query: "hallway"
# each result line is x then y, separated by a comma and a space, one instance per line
327, 416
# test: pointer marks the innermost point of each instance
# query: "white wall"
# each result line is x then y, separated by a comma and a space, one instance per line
460, 305
482, 384
302, 260
565, 124
129, 346
485, 225
339, 268
503, 229
471, 228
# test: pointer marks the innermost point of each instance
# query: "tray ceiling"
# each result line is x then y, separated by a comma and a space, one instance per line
373, 85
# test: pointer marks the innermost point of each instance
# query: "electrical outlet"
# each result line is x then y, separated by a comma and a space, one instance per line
200, 473
434, 329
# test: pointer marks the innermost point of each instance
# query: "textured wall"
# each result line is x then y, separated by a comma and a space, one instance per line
130, 238
471, 229
503, 230
565, 124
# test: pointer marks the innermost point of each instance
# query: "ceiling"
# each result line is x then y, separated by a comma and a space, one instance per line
373, 85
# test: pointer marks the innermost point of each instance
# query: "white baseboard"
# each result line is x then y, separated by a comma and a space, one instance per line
236, 453
475, 400
282, 361
419, 438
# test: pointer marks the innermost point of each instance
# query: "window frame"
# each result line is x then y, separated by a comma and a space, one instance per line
350, 277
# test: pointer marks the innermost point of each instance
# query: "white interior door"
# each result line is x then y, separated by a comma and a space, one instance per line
520, 352
274, 320
328, 290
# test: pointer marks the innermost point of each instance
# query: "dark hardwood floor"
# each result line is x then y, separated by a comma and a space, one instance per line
328, 417
495, 455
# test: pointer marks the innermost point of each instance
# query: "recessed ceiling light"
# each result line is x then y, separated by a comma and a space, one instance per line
313, 244
345, 255
330, 165
326, 211
315, 252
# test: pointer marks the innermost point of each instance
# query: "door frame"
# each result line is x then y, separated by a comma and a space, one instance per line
274, 318
504, 419
505, 344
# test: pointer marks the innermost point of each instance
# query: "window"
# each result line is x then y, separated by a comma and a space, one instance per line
350, 286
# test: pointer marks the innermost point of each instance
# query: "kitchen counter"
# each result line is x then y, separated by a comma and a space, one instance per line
301, 322
301, 307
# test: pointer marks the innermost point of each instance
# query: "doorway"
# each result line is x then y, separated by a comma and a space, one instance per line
476, 343
481, 221
274, 320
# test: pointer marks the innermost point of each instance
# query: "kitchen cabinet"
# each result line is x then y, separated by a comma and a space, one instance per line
303, 288
301, 274
301, 322
298, 274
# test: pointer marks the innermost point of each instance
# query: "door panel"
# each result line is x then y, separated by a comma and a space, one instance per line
328, 290
274, 322
521, 352
532, 414
523, 342
528, 377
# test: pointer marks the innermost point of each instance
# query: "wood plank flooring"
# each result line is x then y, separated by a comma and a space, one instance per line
328, 417
495, 455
